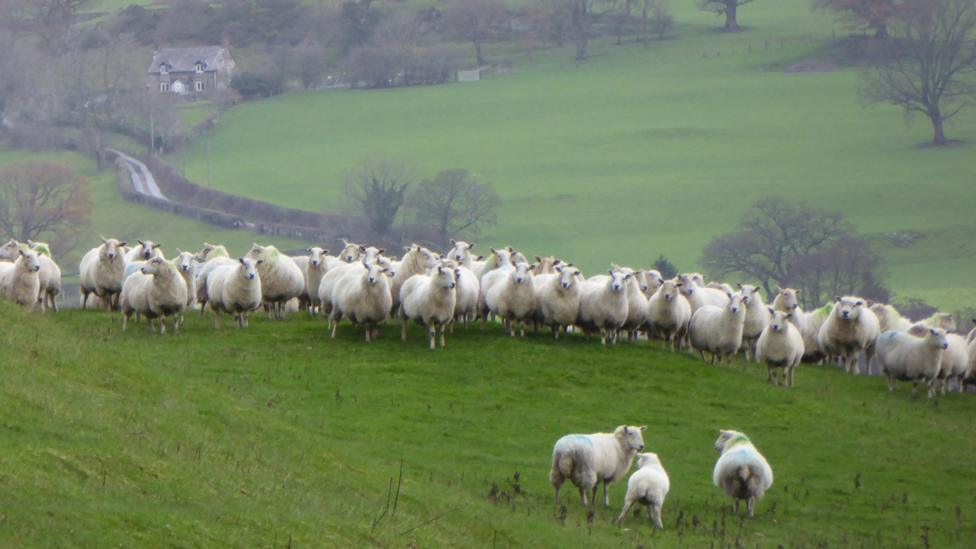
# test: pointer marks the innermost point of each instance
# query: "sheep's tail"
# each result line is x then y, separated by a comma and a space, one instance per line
745, 472
565, 462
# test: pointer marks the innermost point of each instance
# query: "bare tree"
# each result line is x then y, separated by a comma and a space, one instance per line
864, 14
928, 70
846, 266
728, 8
575, 19
476, 21
661, 19
378, 188
770, 237
455, 201
43, 201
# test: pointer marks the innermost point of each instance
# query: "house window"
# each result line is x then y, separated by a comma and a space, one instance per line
199, 67
163, 69
164, 87
198, 85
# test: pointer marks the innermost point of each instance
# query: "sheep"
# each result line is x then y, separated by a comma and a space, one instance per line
971, 351
545, 265
649, 485
186, 265
235, 288
351, 252
850, 328
467, 290
145, 251
157, 291
416, 260
780, 346
718, 330
741, 471
757, 318
649, 280
889, 319
587, 460
211, 251
636, 306
334, 275
203, 273
808, 323
557, 298
668, 313
281, 279
698, 295
501, 264
314, 272
940, 320
49, 275
10, 250
20, 281
363, 298
604, 305
902, 356
955, 363
101, 272
430, 299
513, 298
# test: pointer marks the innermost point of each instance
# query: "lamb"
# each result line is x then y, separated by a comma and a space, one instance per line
649, 485
157, 291
513, 298
604, 305
780, 346
20, 281
281, 279
235, 288
314, 272
363, 298
698, 295
889, 319
49, 275
741, 471
668, 313
416, 260
757, 318
143, 252
808, 323
849, 329
599, 457
902, 356
557, 298
718, 330
430, 299
101, 272
467, 290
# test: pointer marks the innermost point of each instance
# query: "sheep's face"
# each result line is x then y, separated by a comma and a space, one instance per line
736, 303
545, 265
568, 276
779, 320
148, 249
371, 253
517, 257
427, 259
750, 293
936, 337
686, 281
724, 437
647, 458
205, 252
10, 250
385, 263
618, 280
654, 278
631, 436
945, 321
184, 262
256, 251
460, 251
669, 290
30, 261
112, 249
374, 273
445, 278
152, 267
848, 308
786, 299
316, 255
248, 267
351, 252
522, 273
502, 257
698, 278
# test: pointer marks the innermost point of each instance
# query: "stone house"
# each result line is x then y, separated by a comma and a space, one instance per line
191, 71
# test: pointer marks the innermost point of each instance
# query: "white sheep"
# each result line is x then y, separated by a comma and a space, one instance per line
545, 265
780, 346
364, 298
461, 252
467, 290
513, 298
940, 320
757, 318
101, 272
808, 323
210, 251
203, 274
500, 264
186, 264
558, 297
902, 356
649, 485
416, 260
157, 291
430, 299
10, 250
955, 363
636, 305
145, 251
668, 313
889, 319
586, 460
335, 274
604, 305
49, 276
699, 295
741, 471
20, 281
314, 271
718, 330
649, 280
281, 279
235, 288
850, 328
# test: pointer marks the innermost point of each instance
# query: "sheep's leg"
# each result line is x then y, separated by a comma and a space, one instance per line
701, 354
751, 504
442, 337
125, 321
334, 324
914, 388
582, 492
606, 495
54, 304
791, 375
770, 376
432, 335
623, 513
403, 331
368, 328
891, 383
84, 300
657, 516
162, 325
593, 495
216, 319
521, 328
557, 482
735, 507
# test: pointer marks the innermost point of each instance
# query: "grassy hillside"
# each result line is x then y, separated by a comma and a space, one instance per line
646, 150
277, 435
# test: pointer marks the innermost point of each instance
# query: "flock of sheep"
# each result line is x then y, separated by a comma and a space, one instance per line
368, 288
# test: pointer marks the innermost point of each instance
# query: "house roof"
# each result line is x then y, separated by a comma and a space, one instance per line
185, 59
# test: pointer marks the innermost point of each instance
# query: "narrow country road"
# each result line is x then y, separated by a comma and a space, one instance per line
142, 179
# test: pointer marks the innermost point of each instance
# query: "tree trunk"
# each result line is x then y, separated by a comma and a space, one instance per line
580, 30
730, 21
938, 134
477, 51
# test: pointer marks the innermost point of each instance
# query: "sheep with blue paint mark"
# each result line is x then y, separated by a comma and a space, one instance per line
741, 471
587, 460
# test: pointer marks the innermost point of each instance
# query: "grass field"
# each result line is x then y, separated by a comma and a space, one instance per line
278, 436
639, 151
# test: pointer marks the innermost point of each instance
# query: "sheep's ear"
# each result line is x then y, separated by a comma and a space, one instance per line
611, 272
796, 291
241, 259
538, 259
156, 245
365, 264
453, 242
259, 262
755, 290
381, 250
511, 249
362, 248
457, 272
559, 269
480, 258
859, 303
837, 298
493, 250
20, 251
771, 310
308, 250
738, 285
568, 264
471, 246
123, 243
643, 428
325, 251
141, 242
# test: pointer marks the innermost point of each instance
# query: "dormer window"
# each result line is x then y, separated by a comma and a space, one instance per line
163, 69
199, 66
